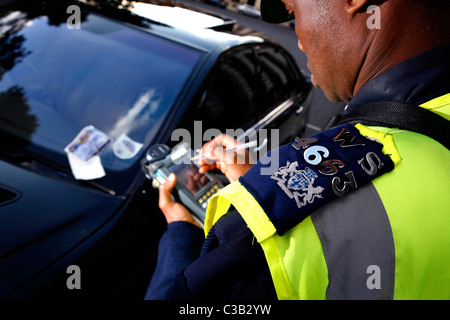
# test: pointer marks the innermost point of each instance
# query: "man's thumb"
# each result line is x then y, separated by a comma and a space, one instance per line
166, 189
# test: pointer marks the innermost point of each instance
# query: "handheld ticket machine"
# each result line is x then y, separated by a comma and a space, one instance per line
193, 189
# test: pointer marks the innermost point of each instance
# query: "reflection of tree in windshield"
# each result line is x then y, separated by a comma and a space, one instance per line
16, 119
11, 52
15, 116
37, 76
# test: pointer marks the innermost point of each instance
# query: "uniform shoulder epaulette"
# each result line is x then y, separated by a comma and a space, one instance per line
314, 171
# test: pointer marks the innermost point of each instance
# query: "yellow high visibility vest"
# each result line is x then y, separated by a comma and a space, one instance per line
415, 198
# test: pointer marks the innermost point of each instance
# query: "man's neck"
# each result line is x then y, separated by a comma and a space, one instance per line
406, 32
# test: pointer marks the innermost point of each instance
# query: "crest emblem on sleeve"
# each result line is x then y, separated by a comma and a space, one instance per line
298, 184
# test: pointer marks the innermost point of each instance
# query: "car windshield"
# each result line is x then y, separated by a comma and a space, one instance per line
55, 81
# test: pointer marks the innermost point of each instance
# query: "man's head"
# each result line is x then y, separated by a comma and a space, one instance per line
344, 48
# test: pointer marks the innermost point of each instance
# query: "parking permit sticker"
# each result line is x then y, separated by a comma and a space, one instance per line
88, 143
125, 148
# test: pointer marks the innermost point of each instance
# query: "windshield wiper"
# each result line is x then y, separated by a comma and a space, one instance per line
35, 162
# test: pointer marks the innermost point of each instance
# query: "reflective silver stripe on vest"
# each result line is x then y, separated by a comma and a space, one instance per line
358, 246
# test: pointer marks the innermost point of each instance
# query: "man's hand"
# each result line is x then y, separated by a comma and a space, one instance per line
173, 211
233, 164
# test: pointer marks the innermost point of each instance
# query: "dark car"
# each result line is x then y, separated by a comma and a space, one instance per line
135, 76
216, 3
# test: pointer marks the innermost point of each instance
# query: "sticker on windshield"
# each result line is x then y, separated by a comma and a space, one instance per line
88, 143
125, 148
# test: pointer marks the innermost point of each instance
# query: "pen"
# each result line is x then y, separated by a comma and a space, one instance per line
247, 145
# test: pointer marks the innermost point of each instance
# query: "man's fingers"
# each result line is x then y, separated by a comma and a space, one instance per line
219, 143
207, 167
165, 190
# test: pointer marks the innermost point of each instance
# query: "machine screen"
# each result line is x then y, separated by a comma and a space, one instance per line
188, 175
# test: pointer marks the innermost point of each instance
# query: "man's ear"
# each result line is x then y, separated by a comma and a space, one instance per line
354, 6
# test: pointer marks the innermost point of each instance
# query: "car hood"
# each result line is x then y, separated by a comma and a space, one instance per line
45, 217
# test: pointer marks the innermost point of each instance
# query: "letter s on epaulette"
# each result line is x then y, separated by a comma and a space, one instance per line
316, 170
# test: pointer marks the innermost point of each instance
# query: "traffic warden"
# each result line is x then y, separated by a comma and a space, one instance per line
359, 211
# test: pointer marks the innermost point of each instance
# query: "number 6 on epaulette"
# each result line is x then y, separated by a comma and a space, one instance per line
313, 155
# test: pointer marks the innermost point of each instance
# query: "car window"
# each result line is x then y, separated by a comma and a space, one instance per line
232, 92
245, 85
279, 77
55, 81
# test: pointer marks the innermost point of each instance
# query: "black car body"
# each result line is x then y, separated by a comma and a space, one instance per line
124, 74
216, 3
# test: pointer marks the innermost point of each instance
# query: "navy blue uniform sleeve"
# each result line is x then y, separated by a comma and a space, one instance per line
178, 248
231, 264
